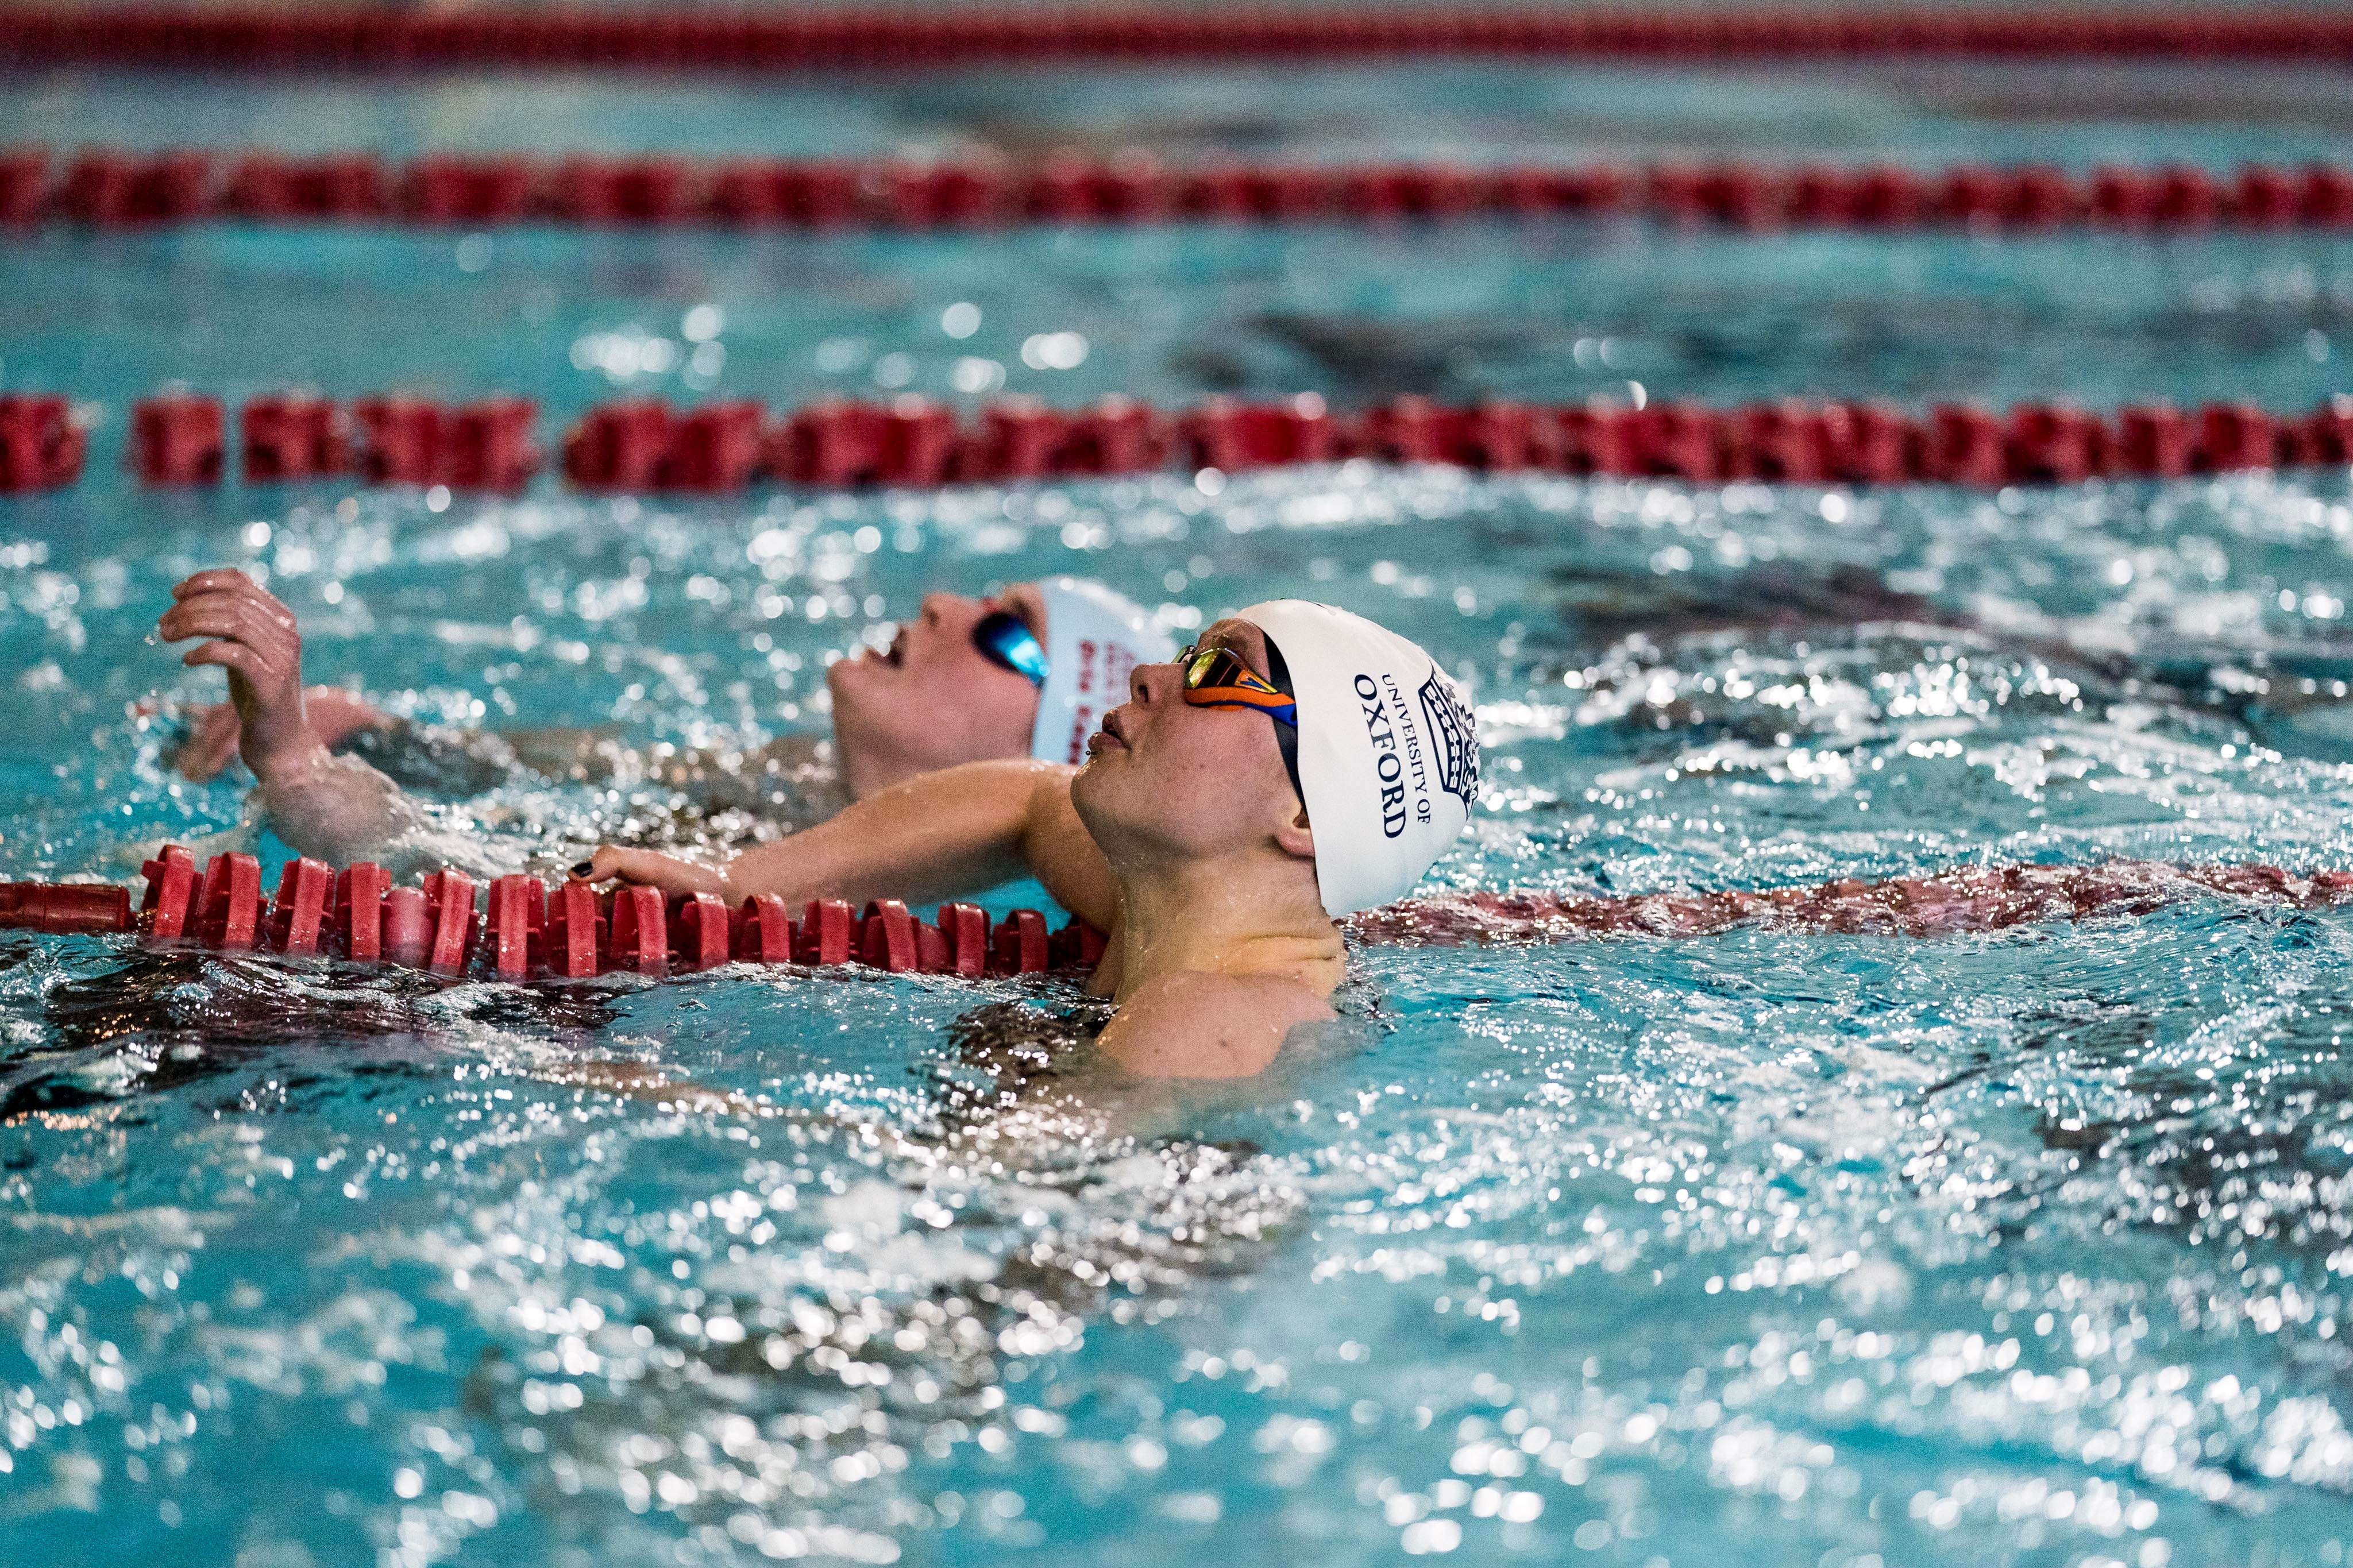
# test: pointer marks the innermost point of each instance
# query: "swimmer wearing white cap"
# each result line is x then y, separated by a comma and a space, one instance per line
1027, 673
1297, 764
921, 705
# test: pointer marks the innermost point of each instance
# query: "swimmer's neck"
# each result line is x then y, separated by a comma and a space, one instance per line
1248, 919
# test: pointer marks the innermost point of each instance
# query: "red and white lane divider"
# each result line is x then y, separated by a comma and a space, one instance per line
721, 447
526, 929
519, 927
114, 189
742, 39
181, 440
1947, 903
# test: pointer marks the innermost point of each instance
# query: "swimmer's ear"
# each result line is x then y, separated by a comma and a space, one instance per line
1296, 837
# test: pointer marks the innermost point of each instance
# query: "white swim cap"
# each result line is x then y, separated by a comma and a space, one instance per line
1389, 752
1093, 639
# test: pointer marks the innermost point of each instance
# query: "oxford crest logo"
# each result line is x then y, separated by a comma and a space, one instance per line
1454, 739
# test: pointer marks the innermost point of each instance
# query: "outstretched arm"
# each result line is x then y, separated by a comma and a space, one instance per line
934, 837
336, 808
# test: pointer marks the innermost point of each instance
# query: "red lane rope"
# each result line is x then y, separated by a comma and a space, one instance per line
118, 189
524, 928
1975, 899
811, 38
723, 448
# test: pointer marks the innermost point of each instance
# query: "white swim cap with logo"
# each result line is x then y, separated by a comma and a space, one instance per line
1093, 639
1389, 752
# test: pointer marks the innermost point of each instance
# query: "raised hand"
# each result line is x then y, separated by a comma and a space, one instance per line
253, 637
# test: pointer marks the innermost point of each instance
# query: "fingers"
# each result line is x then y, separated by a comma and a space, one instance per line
255, 607
217, 615
647, 868
271, 636
224, 603
610, 864
211, 582
268, 669
235, 658
223, 580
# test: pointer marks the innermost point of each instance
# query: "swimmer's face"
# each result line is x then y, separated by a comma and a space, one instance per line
1164, 779
932, 699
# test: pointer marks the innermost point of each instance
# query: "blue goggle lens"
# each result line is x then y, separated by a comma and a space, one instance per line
1004, 638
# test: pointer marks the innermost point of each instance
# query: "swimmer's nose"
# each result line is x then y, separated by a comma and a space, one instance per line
1146, 681
938, 607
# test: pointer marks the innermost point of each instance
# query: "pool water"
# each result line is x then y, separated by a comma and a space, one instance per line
2025, 1247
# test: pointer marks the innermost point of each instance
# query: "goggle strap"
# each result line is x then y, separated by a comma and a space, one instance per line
1286, 736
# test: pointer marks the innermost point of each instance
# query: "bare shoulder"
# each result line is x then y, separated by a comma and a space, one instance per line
1063, 855
1204, 1026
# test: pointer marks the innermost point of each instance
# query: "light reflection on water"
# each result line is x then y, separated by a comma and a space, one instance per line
2020, 1247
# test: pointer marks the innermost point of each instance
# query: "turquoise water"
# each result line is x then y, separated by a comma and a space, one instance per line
2021, 1249
1930, 113
1556, 314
